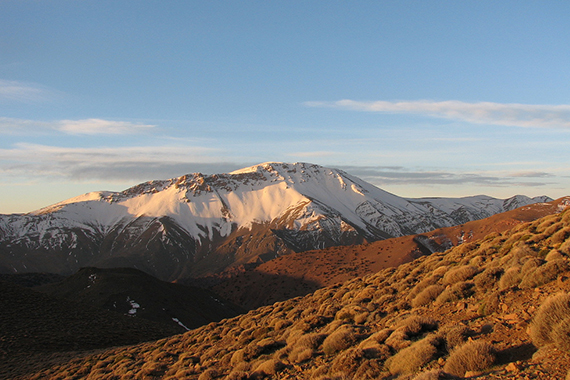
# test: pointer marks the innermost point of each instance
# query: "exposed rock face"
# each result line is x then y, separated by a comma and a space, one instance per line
198, 224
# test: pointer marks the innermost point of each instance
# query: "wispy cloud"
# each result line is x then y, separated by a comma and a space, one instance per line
384, 175
508, 114
74, 127
531, 174
21, 91
99, 126
121, 163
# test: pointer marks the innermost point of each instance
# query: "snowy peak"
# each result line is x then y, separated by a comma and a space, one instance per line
264, 210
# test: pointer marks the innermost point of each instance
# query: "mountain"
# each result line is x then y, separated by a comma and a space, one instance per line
199, 224
137, 294
302, 273
494, 308
34, 326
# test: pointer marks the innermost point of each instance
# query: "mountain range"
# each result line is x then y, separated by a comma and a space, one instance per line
197, 224
495, 307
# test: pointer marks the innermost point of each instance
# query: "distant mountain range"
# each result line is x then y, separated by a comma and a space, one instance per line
198, 224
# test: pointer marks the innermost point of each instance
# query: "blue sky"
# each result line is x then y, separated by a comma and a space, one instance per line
422, 98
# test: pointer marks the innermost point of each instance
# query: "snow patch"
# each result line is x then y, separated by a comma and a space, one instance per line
134, 307
180, 323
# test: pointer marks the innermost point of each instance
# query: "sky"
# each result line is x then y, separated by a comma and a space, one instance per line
421, 98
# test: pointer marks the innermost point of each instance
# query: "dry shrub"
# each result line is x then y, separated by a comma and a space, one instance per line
459, 274
477, 261
245, 354
280, 324
312, 340
349, 312
416, 324
561, 335
412, 358
371, 370
565, 247
491, 304
427, 281
510, 278
270, 367
339, 340
530, 264
520, 250
378, 337
300, 354
472, 356
435, 374
488, 278
304, 348
377, 351
455, 336
545, 273
560, 236
551, 313
237, 375
427, 295
554, 254
347, 362
408, 329
209, 374
456, 292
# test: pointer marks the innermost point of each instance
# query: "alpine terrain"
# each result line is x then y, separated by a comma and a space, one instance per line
493, 308
200, 224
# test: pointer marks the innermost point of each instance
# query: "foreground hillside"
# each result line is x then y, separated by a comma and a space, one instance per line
199, 224
302, 273
496, 308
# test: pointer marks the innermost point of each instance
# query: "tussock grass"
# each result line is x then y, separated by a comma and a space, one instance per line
472, 356
460, 274
412, 358
428, 295
339, 340
553, 311
456, 292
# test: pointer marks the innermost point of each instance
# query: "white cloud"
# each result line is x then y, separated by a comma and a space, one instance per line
75, 127
508, 114
21, 92
120, 163
100, 126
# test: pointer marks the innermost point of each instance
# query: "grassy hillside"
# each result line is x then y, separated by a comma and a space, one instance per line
494, 308
302, 273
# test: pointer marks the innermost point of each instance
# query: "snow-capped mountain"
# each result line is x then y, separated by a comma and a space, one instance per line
195, 224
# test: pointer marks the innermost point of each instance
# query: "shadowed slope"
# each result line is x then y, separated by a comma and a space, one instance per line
139, 295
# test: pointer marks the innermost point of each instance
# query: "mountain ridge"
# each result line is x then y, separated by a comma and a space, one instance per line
197, 224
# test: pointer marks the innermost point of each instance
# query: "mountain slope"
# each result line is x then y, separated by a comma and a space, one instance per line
196, 224
461, 313
301, 273
137, 294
